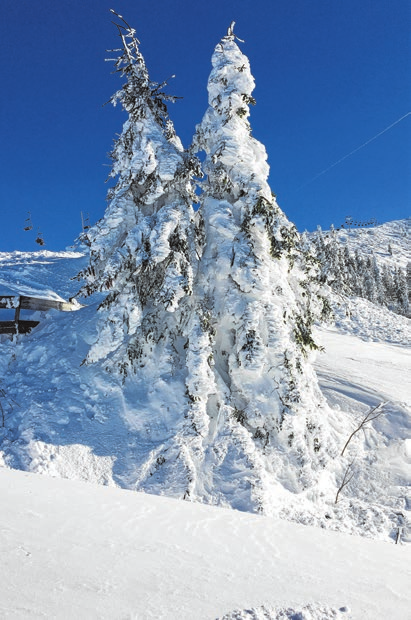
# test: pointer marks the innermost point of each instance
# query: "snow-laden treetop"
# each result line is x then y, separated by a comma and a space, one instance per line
141, 251
225, 131
139, 90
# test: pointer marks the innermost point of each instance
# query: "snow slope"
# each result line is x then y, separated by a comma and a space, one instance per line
74, 550
39, 274
67, 420
377, 239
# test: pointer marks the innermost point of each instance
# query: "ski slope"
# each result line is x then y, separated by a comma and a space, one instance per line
364, 372
75, 550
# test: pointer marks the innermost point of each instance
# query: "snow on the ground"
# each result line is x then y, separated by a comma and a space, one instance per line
308, 612
40, 274
365, 372
75, 550
365, 320
63, 419
358, 371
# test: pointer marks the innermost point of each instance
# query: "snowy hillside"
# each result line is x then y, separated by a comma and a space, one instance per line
378, 239
372, 263
72, 550
67, 420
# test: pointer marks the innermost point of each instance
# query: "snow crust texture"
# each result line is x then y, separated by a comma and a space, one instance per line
308, 612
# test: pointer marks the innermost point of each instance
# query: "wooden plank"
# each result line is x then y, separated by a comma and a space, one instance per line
24, 327
37, 303
32, 303
7, 327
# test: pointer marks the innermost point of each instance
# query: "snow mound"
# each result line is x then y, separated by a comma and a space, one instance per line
315, 611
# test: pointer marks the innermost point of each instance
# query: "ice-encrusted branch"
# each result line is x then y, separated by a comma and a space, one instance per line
374, 413
348, 476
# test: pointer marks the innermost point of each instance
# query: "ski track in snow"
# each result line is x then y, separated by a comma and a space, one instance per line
74, 550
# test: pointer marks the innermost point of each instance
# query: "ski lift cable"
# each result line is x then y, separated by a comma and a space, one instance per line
314, 178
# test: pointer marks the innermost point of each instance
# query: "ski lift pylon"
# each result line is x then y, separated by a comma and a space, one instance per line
85, 221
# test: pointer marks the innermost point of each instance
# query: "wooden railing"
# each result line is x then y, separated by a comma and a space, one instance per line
21, 327
24, 302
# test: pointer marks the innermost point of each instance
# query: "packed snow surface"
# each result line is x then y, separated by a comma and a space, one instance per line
75, 550
31, 273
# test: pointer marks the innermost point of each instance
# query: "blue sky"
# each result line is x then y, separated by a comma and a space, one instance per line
330, 76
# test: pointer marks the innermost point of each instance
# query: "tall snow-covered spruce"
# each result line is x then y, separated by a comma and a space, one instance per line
142, 250
268, 426
144, 253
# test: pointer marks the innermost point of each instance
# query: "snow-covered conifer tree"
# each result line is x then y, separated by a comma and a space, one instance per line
401, 291
370, 284
218, 345
267, 418
408, 275
144, 254
376, 275
388, 286
142, 250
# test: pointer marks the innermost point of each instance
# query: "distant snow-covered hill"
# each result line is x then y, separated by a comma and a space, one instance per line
372, 263
377, 240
